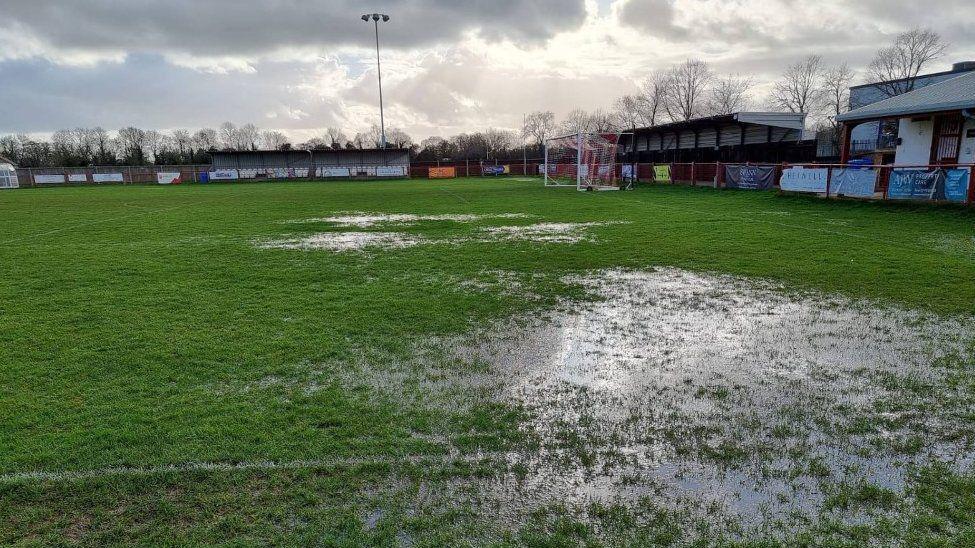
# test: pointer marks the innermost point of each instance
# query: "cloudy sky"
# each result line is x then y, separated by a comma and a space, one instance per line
448, 65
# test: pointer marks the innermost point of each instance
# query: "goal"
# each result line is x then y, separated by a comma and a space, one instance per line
586, 161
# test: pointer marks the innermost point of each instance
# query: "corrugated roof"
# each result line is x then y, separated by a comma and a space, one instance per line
955, 94
786, 120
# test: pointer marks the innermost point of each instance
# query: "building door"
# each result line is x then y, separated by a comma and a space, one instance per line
947, 140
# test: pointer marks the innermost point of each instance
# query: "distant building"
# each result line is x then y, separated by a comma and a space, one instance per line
739, 137
271, 164
877, 139
934, 124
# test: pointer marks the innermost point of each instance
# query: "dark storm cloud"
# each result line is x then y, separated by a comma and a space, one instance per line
234, 28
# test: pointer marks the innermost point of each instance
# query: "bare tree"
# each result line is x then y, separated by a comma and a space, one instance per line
397, 138
602, 121
538, 126
729, 94
103, 146
153, 144
248, 136
577, 120
335, 138
498, 141
205, 139
228, 136
183, 143
686, 91
895, 68
626, 111
273, 140
315, 143
10, 148
836, 89
799, 90
653, 97
131, 144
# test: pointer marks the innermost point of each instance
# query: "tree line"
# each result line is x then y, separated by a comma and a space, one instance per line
132, 146
687, 90
692, 90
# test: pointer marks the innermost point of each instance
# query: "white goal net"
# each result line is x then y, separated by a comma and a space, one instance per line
586, 161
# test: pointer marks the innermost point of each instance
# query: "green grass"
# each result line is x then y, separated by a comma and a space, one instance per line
140, 326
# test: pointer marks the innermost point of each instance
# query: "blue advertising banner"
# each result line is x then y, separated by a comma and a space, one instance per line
956, 185
857, 183
492, 170
749, 177
911, 184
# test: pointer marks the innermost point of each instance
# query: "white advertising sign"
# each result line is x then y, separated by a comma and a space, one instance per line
107, 177
390, 171
333, 172
798, 179
168, 178
248, 174
49, 179
224, 175
77, 178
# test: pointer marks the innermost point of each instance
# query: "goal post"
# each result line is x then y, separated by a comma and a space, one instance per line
586, 161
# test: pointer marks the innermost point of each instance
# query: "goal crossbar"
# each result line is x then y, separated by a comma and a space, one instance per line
586, 161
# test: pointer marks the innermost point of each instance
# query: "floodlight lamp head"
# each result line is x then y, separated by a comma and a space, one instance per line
375, 17
365, 18
385, 18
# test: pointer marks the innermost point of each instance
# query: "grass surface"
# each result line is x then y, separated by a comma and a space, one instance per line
142, 327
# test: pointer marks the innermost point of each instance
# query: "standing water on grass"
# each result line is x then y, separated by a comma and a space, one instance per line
724, 395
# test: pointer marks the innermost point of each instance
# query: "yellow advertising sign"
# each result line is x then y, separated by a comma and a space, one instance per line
661, 174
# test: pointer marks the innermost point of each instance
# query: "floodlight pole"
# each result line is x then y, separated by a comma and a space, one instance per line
376, 17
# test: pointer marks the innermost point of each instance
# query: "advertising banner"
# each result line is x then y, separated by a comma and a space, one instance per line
911, 184
628, 171
49, 179
493, 171
77, 177
390, 171
853, 182
169, 177
333, 172
661, 174
799, 179
107, 177
247, 174
956, 185
749, 177
443, 172
223, 175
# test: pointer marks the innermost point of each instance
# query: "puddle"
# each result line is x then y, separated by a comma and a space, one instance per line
560, 233
367, 220
546, 232
346, 241
717, 392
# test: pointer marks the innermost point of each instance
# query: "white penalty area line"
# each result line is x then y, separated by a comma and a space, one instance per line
262, 465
